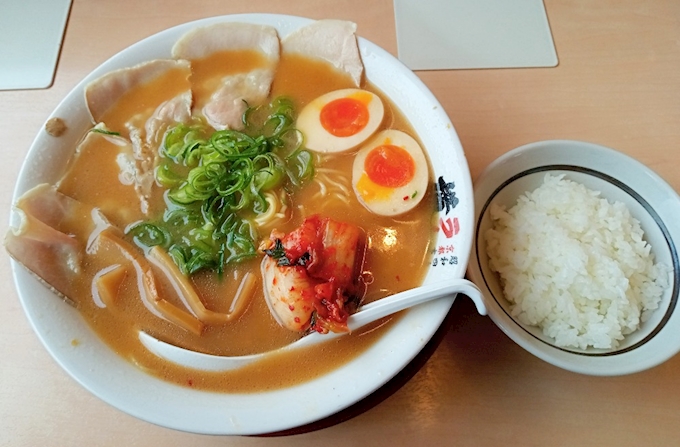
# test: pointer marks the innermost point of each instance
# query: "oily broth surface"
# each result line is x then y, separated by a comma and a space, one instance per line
391, 267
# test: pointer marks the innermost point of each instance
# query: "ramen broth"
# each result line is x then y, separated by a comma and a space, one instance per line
397, 248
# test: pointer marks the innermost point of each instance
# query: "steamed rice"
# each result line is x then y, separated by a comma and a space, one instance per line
574, 264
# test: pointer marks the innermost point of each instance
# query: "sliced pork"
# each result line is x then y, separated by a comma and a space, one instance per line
44, 240
230, 96
333, 41
107, 91
228, 36
150, 112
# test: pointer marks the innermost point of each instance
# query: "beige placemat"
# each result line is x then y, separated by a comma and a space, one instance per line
460, 34
31, 32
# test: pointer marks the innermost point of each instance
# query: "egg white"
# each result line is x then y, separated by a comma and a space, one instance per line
393, 201
320, 140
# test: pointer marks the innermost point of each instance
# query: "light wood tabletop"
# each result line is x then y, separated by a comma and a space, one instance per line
617, 84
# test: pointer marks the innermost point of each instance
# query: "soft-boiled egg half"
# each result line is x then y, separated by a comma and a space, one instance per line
390, 173
340, 120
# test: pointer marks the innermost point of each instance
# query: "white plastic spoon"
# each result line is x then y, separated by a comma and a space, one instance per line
367, 314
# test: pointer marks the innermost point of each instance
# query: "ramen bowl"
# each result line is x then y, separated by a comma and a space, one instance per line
77, 349
617, 177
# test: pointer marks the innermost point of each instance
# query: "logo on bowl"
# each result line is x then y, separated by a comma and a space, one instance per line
450, 226
446, 197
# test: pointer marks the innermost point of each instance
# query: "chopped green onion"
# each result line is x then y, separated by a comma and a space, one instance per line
216, 182
148, 234
278, 253
104, 131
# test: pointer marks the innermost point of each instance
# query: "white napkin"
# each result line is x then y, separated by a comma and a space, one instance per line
31, 32
458, 34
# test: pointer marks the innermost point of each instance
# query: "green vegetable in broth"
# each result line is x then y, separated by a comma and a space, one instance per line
104, 131
216, 183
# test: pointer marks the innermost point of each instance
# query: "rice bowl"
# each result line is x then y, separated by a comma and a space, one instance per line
619, 178
574, 264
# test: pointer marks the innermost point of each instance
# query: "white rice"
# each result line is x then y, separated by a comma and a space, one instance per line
574, 264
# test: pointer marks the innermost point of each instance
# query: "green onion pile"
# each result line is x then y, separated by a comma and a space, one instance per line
216, 182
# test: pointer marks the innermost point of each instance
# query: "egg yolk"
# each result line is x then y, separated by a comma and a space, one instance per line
371, 192
344, 117
390, 166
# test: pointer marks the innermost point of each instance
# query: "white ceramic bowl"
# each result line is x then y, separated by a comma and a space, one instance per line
619, 178
119, 383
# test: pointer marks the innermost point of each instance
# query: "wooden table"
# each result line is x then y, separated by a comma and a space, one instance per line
617, 84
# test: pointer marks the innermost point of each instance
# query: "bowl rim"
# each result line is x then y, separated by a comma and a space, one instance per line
531, 159
240, 414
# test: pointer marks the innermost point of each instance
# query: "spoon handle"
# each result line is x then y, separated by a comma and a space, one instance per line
410, 298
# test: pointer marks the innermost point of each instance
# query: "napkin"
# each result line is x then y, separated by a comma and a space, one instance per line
31, 32
460, 34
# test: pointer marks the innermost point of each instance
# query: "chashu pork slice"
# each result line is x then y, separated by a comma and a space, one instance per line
127, 91
230, 95
333, 41
227, 105
52, 236
140, 104
227, 36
